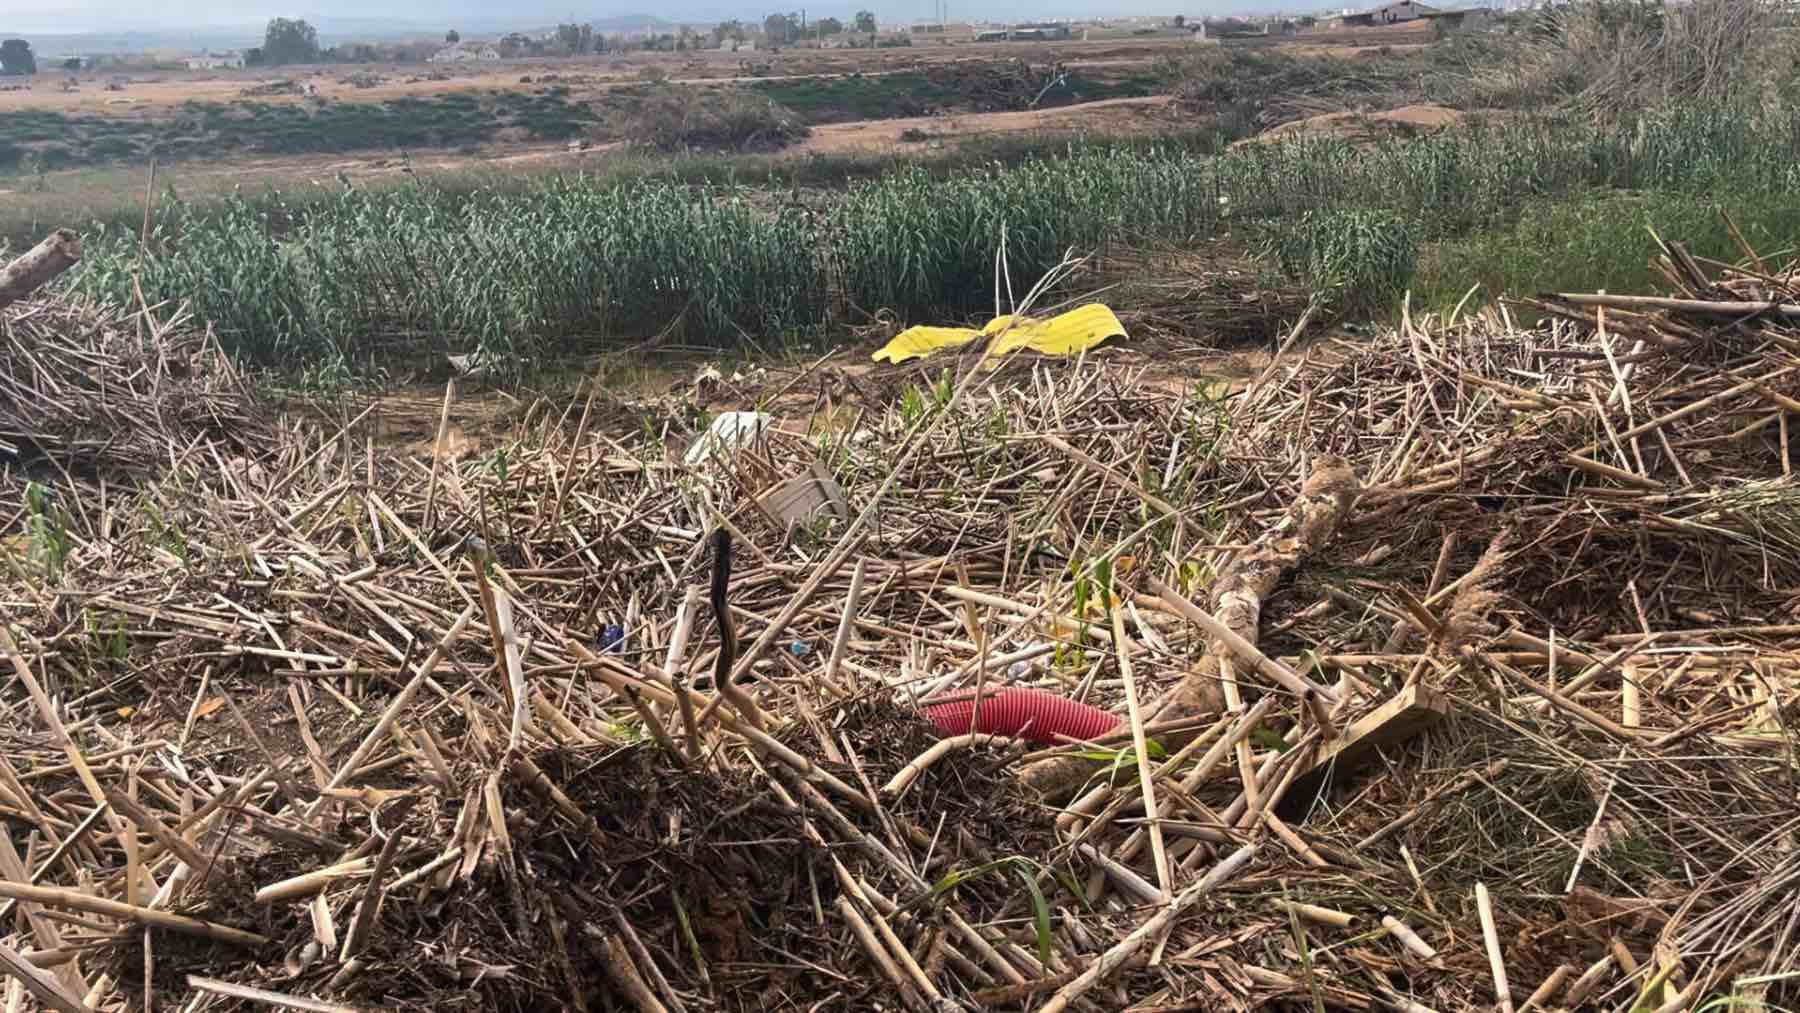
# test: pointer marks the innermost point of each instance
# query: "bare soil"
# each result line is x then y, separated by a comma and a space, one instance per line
1364, 127
160, 90
1123, 116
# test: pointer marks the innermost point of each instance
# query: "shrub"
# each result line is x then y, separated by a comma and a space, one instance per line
1355, 262
687, 118
1613, 58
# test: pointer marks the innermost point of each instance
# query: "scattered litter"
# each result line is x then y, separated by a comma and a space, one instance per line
612, 639
471, 365
800, 499
728, 434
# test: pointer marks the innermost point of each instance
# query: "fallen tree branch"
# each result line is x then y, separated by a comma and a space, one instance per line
39, 265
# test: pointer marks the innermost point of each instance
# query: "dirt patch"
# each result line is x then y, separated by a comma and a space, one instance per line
1114, 116
1364, 128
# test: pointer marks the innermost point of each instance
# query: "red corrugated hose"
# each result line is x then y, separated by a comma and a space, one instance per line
1033, 714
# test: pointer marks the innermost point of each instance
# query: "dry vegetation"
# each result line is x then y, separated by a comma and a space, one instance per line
680, 118
298, 714
313, 716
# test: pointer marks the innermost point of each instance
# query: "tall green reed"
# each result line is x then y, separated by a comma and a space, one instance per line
368, 278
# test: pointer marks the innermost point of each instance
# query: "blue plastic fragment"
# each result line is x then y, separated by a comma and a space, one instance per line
612, 639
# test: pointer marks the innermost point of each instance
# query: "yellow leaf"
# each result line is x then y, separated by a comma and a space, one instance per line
209, 707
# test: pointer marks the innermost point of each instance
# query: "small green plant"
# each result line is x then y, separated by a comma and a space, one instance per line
1027, 871
1120, 765
163, 534
110, 644
46, 530
912, 405
942, 389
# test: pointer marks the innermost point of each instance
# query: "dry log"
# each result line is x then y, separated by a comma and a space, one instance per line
39, 265
1236, 601
1238, 594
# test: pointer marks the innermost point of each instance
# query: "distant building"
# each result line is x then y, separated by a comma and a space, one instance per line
1030, 32
216, 61
461, 53
1474, 19
1390, 14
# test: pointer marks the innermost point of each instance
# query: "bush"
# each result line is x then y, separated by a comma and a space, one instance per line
1355, 262
686, 118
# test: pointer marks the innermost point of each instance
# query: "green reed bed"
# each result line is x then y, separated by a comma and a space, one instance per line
579, 263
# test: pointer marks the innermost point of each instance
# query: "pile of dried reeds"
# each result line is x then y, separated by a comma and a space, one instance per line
89, 389
341, 727
1216, 296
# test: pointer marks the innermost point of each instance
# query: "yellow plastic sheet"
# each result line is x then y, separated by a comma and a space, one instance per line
1065, 334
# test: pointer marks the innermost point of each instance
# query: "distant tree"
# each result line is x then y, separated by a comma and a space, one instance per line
253, 57
865, 22
514, 44
16, 58
289, 41
585, 42
830, 26
452, 36
72, 64
733, 29
1181, 21
775, 26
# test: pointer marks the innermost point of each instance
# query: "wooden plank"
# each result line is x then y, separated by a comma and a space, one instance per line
1401, 718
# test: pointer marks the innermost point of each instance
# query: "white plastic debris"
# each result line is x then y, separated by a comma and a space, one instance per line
471, 365
727, 434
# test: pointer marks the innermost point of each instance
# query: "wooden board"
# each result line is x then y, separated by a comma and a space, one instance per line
1401, 718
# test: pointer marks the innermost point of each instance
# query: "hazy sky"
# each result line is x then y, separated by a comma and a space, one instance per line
70, 16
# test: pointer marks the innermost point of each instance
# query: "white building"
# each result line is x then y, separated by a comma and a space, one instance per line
1390, 13
465, 54
218, 61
